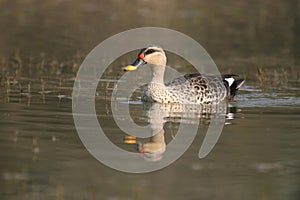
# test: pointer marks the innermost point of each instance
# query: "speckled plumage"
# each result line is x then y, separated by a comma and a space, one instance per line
186, 89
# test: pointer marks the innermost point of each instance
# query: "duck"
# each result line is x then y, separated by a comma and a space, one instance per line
193, 88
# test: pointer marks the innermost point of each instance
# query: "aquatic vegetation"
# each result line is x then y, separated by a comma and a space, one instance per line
36, 78
277, 77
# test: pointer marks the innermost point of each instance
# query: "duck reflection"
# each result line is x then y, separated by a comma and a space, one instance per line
154, 149
159, 114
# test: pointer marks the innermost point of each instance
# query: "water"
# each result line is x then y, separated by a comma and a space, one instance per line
256, 155
42, 156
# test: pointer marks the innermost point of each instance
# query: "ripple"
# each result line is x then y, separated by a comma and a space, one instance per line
253, 97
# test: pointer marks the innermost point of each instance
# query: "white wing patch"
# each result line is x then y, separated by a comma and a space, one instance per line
230, 81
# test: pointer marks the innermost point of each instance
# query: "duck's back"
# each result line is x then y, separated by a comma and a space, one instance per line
198, 89
193, 89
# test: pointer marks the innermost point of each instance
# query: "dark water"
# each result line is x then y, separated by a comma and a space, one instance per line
43, 44
256, 156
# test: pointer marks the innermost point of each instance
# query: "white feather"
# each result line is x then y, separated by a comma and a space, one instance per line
230, 81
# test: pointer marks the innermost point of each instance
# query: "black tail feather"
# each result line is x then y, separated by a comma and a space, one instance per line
232, 87
235, 87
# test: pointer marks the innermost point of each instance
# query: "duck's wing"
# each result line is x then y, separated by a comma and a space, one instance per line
206, 88
198, 88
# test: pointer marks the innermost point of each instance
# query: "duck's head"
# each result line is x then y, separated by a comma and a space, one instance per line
152, 55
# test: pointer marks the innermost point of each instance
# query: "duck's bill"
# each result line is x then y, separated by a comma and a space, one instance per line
138, 62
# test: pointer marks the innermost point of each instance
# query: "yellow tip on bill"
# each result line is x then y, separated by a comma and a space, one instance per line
129, 68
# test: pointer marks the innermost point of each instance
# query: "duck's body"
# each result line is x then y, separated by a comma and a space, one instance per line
186, 89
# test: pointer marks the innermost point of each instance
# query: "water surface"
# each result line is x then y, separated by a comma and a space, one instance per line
256, 155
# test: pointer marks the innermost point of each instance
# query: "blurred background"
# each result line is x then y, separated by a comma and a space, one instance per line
244, 33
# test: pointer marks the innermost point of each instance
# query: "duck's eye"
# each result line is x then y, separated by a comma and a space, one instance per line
149, 51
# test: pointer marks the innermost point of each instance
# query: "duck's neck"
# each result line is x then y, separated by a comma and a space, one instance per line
158, 74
